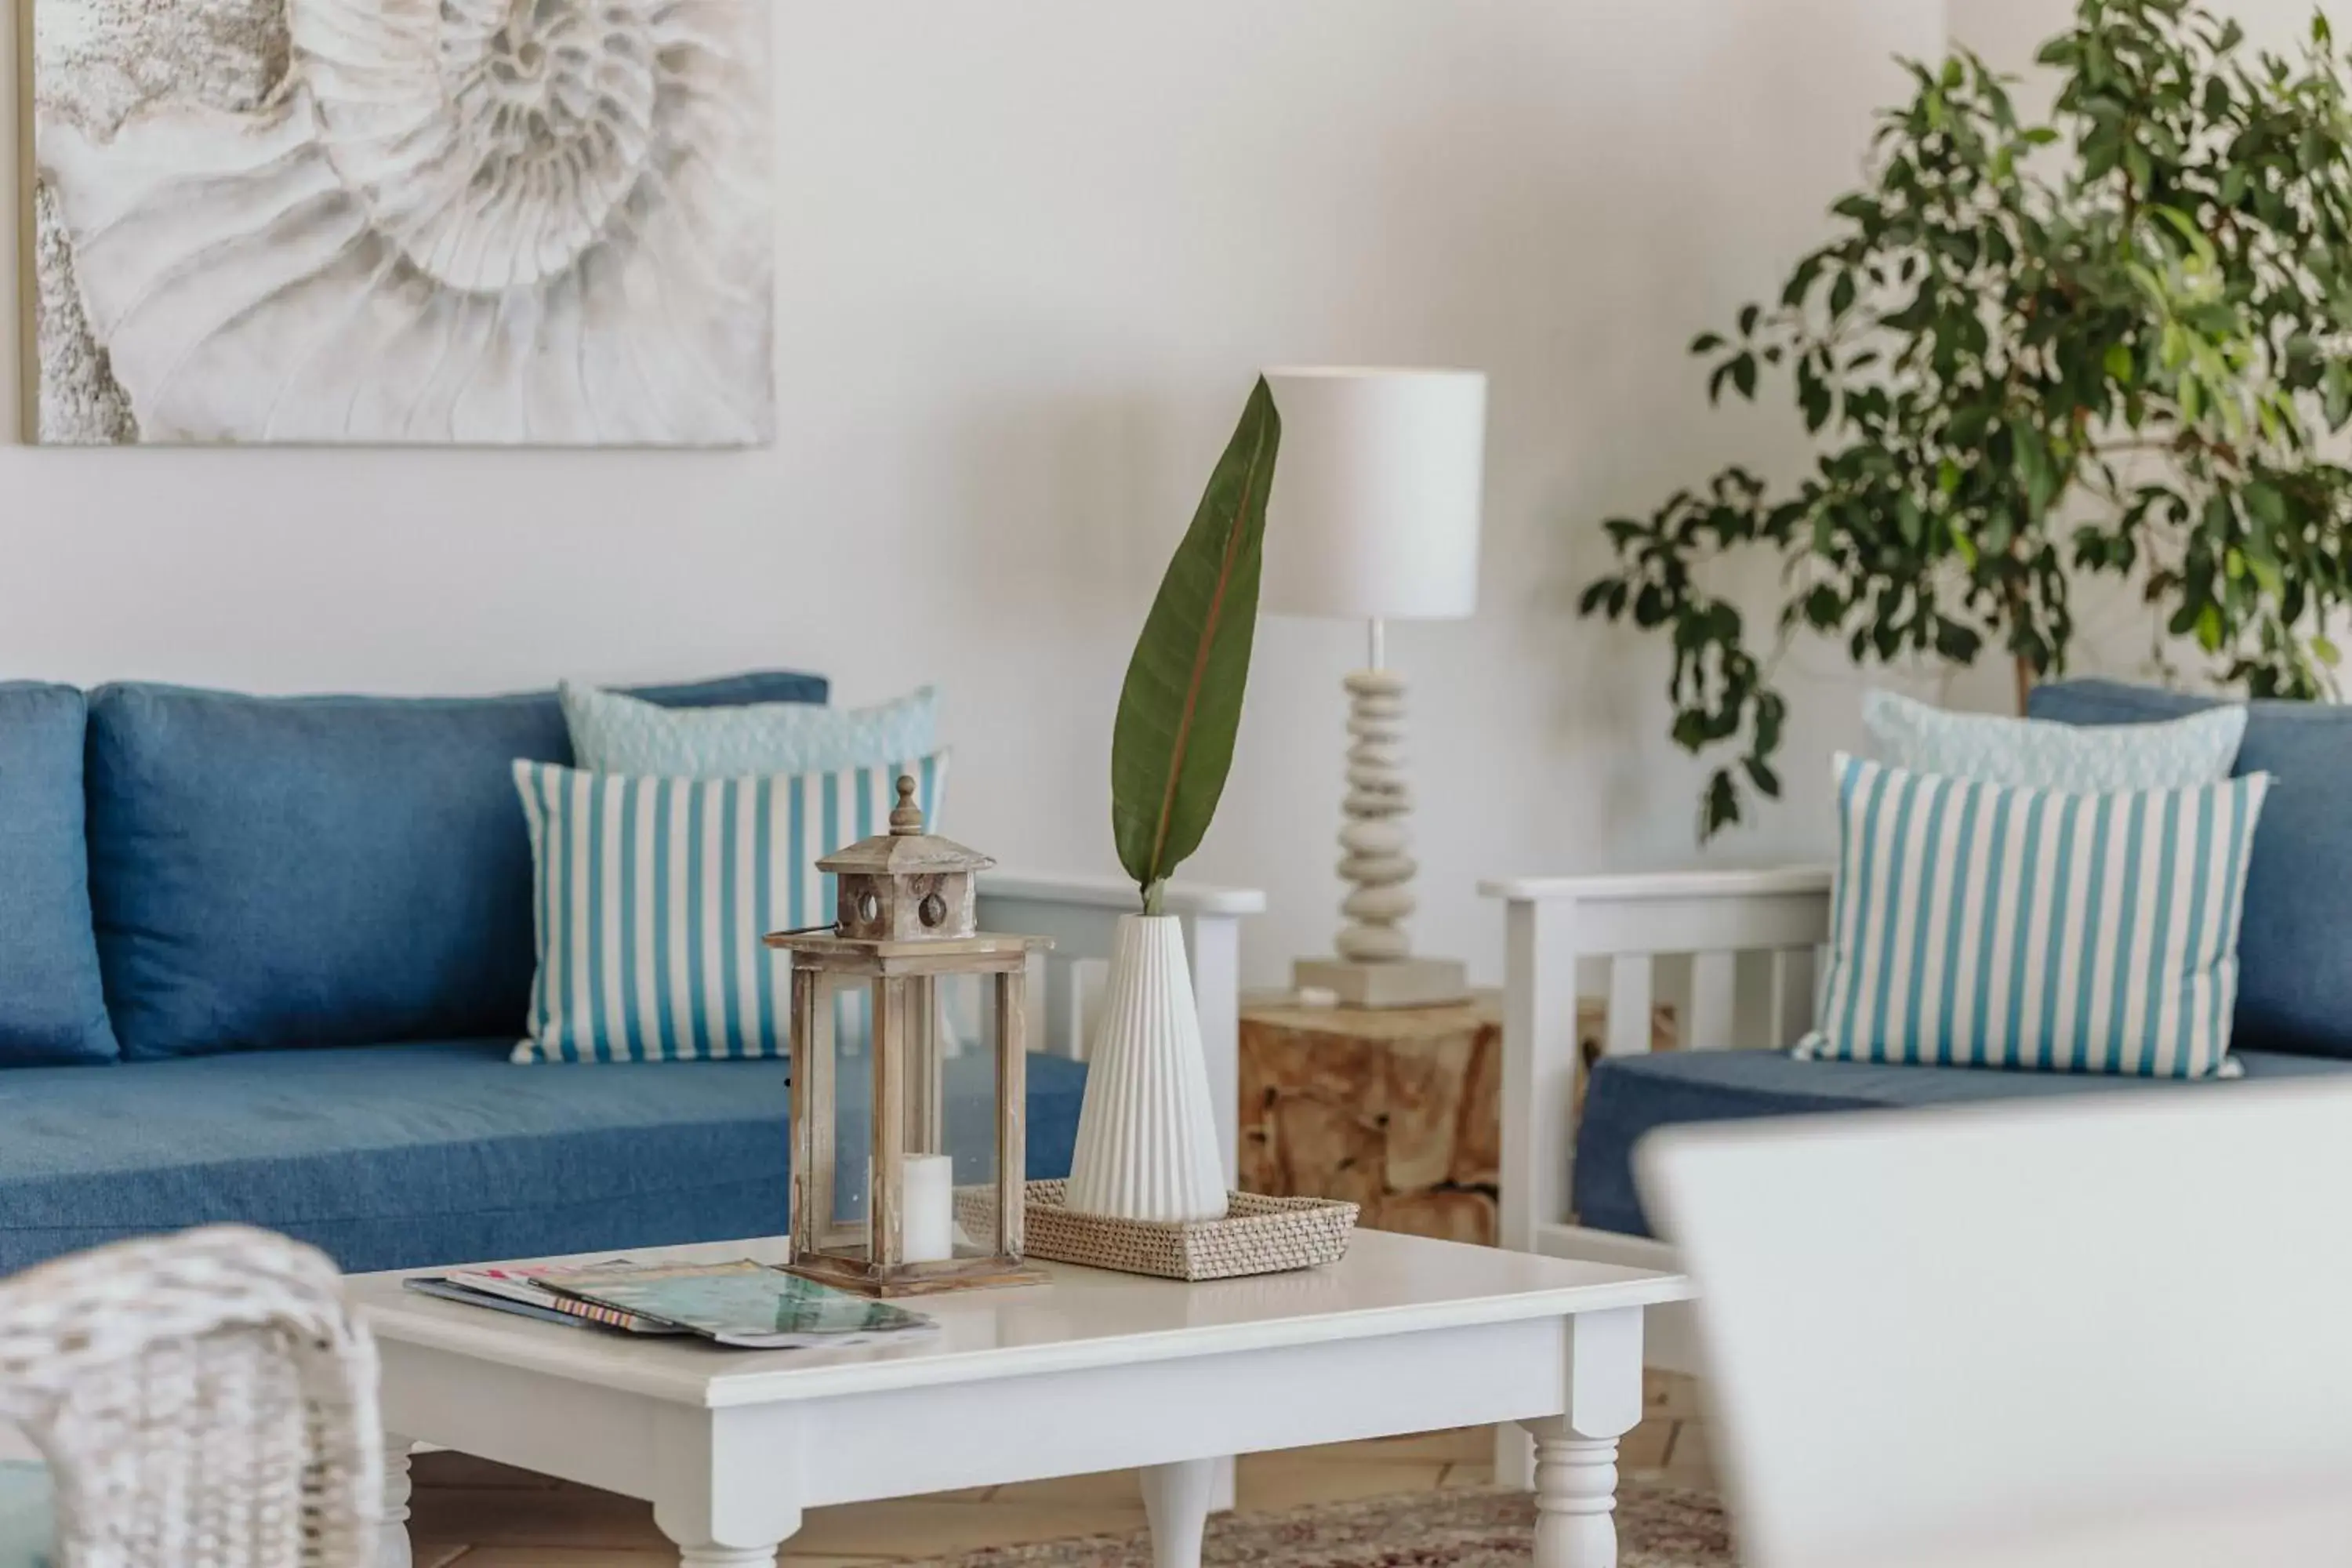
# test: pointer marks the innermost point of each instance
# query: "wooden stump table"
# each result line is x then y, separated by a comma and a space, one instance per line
1398, 1110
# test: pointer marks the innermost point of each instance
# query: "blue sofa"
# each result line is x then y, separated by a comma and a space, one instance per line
263, 959
2294, 1017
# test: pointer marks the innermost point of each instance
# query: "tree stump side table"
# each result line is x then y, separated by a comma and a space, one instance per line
1397, 1110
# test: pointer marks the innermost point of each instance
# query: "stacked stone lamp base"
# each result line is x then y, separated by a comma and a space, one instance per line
1376, 966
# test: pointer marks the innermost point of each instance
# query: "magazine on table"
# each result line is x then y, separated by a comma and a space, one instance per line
441, 1289
517, 1290
745, 1304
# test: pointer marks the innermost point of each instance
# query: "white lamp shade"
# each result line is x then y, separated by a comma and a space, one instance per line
1377, 492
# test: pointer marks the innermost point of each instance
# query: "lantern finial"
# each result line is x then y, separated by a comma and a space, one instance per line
907, 821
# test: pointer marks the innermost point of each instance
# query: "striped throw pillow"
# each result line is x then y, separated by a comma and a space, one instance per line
653, 894
1975, 925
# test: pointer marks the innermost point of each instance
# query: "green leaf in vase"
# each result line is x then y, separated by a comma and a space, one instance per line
1181, 707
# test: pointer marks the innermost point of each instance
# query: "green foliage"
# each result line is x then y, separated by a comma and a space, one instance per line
2121, 355
1182, 706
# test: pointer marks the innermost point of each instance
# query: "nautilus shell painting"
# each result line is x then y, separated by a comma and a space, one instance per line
476, 222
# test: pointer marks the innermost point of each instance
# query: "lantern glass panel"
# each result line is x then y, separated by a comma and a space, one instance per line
947, 1071
968, 1018
852, 1070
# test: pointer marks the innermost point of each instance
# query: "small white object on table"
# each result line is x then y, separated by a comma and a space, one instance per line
1092, 1372
927, 1188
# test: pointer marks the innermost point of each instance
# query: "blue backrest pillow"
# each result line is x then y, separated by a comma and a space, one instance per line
268, 873
52, 1008
2295, 949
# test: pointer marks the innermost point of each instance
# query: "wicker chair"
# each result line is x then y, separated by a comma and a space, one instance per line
204, 1401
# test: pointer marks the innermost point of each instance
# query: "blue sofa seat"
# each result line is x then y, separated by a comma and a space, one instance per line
408, 1155
1632, 1095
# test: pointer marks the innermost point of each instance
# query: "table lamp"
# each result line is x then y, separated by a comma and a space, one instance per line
1374, 517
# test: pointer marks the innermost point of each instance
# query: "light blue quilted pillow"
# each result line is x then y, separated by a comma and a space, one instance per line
27, 1524
612, 733
2032, 753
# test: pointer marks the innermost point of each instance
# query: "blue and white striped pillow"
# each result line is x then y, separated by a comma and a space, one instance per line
1975, 925
653, 894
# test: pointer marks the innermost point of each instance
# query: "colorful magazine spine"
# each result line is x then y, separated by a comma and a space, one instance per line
522, 1285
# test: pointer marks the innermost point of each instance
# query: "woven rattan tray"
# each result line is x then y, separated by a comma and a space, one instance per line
1257, 1236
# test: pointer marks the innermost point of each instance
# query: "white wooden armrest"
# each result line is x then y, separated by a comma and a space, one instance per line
1555, 925
1118, 895
1081, 915
1681, 912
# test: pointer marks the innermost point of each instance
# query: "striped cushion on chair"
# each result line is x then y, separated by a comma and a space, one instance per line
1975, 925
654, 893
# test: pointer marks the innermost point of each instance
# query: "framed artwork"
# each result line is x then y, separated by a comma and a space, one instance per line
434, 222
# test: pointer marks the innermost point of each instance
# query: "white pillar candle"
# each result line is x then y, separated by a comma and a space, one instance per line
927, 1189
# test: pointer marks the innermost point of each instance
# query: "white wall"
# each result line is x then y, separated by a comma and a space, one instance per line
2008, 32
1032, 252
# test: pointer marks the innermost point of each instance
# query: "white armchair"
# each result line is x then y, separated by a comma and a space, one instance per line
201, 1399
1736, 952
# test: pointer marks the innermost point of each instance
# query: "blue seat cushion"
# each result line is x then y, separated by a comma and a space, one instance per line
52, 1005
1632, 1095
2294, 948
410, 1155
276, 872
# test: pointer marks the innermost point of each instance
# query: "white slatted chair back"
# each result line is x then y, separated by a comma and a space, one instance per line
203, 1400
1731, 955
1928, 1330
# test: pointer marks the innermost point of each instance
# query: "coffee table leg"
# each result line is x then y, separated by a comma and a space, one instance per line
392, 1536
1576, 1497
1575, 1452
703, 1543
712, 1555
726, 1487
1177, 1499
701, 1546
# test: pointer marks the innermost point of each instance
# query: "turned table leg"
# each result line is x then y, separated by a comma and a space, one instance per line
710, 1554
1576, 1451
1177, 1499
726, 1491
392, 1537
1576, 1497
708, 1537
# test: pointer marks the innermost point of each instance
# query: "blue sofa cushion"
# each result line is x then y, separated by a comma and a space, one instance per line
412, 1155
275, 872
52, 1007
2295, 950
1632, 1095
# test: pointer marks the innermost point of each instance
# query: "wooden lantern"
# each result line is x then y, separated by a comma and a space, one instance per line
906, 919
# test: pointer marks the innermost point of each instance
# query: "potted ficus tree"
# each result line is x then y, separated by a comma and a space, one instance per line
2115, 339
1147, 1145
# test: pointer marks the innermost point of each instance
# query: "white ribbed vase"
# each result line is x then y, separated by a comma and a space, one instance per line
1147, 1132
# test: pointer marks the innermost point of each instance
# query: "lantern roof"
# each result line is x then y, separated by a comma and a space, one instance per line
906, 849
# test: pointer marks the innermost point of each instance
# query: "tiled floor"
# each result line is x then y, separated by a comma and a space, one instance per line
481, 1515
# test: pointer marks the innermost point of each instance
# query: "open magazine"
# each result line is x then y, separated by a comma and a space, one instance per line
746, 1304
519, 1291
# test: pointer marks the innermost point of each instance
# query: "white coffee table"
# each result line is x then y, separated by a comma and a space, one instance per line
1094, 1372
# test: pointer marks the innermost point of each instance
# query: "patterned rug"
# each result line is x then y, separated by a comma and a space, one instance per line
1657, 1527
